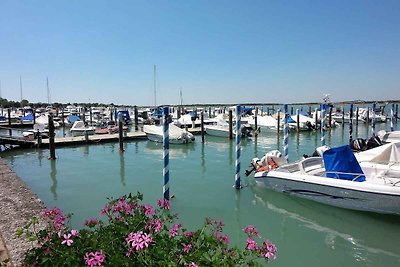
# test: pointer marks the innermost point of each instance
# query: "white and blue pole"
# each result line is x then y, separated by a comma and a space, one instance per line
373, 118
323, 124
391, 117
351, 124
286, 134
166, 153
238, 137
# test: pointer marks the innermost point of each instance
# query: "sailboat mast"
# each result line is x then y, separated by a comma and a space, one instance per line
48, 91
20, 86
155, 91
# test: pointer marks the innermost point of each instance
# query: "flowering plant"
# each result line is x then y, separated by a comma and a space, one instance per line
138, 235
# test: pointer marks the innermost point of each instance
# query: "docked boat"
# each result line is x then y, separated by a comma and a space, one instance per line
176, 134
367, 181
79, 129
38, 130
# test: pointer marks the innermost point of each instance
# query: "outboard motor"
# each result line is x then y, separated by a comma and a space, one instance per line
271, 160
245, 131
358, 144
373, 142
319, 151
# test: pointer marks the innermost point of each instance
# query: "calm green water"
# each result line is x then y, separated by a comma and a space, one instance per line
201, 178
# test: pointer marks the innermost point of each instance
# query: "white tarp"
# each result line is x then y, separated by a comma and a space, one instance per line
391, 155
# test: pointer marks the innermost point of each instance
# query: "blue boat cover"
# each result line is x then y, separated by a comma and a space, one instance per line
28, 117
73, 118
340, 163
290, 120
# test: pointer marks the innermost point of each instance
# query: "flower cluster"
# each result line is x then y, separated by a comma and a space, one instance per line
140, 235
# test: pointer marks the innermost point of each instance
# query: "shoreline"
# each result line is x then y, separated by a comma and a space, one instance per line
18, 205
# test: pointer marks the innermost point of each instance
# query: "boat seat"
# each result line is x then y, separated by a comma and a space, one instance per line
311, 164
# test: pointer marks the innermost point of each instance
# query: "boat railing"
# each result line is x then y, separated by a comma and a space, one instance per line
338, 174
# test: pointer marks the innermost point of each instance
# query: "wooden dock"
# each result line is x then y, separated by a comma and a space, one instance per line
15, 140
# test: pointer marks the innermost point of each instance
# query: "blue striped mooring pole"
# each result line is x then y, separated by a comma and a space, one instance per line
166, 153
322, 124
373, 118
238, 137
286, 134
392, 117
351, 124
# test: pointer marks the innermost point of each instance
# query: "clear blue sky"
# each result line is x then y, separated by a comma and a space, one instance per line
216, 51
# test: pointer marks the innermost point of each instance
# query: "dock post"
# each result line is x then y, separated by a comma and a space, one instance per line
330, 117
136, 113
83, 115
238, 137
351, 125
316, 118
309, 110
323, 106
52, 146
298, 120
230, 125
209, 112
278, 122
9, 121
286, 134
120, 133
367, 121
357, 111
256, 122
166, 153
373, 118
202, 126
391, 117
342, 114
397, 111
291, 110
90, 116
34, 116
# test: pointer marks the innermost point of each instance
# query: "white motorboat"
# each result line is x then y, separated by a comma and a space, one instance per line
79, 129
176, 134
44, 120
367, 181
38, 130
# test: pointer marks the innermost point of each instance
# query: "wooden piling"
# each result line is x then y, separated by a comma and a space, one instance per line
9, 121
291, 110
342, 114
309, 110
356, 116
330, 117
298, 120
62, 118
120, 133
52, 146
34, 116
367, 117
136, 113
230, 125
397, 111
202, 126
278, 122
90, 116
316, 118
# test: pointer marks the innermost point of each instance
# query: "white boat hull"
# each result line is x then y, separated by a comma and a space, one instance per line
339, 196
217, 131
82, 132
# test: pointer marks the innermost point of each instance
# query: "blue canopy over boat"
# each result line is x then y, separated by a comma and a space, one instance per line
73, 118
28, 117
340, 163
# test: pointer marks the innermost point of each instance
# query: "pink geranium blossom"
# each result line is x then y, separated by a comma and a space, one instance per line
94, 259
251, 231
186, 248
175, 229
138, 240
67, 240
148, 210
251, 244
163, 203
269, 250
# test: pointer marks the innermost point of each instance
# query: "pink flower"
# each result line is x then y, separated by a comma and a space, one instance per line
75, 233
251, 244
251, 230
94, 259
163, 203
192, 264
91, 222
56, 216
148, 210
67, 240
188, 234
269, 250
122, 207
174, 230
187, 248
138, 240
223, 238
155, 224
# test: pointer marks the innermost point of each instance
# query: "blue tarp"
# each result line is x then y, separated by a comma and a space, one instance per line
73, 118
290, 120
3, 118
28, 117
340, 163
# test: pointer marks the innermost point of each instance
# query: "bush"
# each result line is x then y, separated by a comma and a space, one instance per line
138, 235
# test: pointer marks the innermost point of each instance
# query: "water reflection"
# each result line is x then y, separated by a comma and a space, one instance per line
53, 176
176, 151
122, 168
40, 156
361, 233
